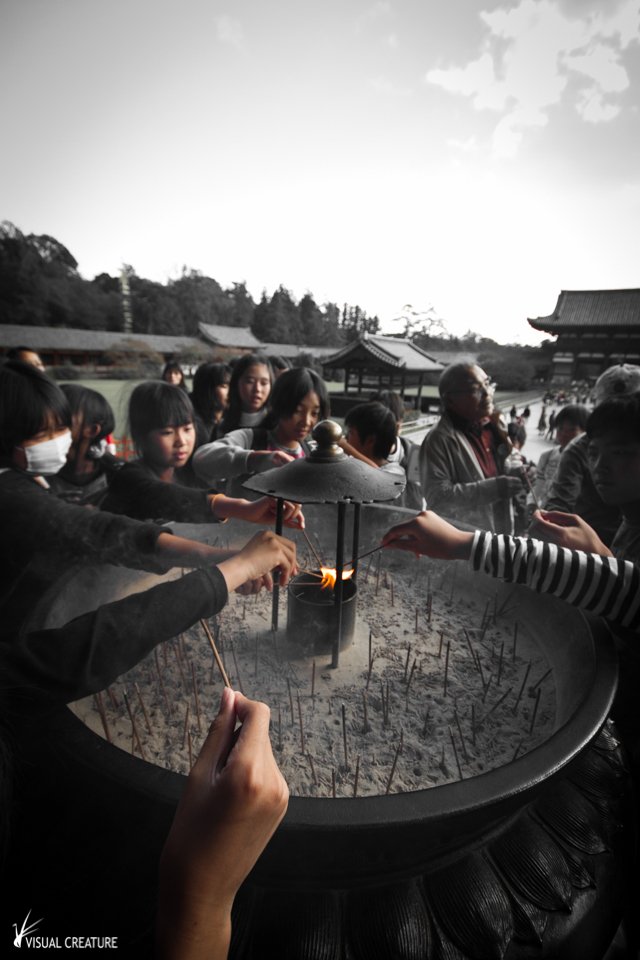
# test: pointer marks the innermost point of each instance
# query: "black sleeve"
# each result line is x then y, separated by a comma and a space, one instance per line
36, 524
90, 652
135, 492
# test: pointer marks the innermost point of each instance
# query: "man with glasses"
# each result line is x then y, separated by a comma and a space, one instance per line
462, 460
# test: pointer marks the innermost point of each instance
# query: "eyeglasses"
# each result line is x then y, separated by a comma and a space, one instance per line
478, 389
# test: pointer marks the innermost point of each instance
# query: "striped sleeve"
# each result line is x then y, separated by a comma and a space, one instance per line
601, 585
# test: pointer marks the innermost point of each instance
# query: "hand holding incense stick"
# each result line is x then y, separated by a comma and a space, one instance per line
536, 502
220, 828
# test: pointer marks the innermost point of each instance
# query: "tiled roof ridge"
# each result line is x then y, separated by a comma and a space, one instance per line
619, 307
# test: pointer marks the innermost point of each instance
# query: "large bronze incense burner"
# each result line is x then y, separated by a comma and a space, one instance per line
525, 860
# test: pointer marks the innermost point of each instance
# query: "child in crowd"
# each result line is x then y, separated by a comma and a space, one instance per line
370, 436
84, 478
249, 388
43, 536
406, 453
613, 455
210, 399
572, 489
570, 422
160, 483
173, 374
278, 364
298, 401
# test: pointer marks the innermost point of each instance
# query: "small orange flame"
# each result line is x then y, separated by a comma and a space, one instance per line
329, 576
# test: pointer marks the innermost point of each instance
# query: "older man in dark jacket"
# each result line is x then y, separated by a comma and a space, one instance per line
462, 460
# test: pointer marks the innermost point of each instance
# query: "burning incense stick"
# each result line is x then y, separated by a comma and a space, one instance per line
536, 502
176, 652
446, 667
426, 721
186, 727
142, 704
393, 769
535, 709
312, 548
134, 726
406, 663
361, 556
301, 726
543, 677
455, 753
365, 725
223, 672
196, 696
500, 663
312, 768
290, 700
520, 692
464, 749
411, 672
344, 736
494, 707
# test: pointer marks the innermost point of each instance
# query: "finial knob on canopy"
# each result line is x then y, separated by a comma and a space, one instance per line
326, 434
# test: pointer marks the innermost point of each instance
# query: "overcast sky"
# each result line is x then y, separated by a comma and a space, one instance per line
474, 157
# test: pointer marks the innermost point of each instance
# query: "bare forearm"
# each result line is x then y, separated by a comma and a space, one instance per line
193, 932
178, 551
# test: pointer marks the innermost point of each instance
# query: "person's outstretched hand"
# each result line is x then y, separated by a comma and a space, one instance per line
261, 460
264, 511
567, 530
265, 552
430, 534
234, 799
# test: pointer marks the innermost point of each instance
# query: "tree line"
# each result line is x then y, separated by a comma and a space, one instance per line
40, 285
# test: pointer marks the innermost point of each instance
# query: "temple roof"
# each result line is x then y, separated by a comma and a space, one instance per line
224, 336
391, 352
76, 340
577, 309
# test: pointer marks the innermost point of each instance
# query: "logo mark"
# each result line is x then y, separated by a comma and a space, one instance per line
27, 928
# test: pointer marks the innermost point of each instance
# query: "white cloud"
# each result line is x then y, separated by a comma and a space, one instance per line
230, 32
592, 107
530, 53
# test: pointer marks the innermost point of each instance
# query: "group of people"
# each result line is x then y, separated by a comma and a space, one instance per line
65, 498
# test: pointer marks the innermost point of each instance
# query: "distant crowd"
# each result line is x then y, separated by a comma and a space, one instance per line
568, 525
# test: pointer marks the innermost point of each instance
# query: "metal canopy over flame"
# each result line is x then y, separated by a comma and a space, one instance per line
327, 475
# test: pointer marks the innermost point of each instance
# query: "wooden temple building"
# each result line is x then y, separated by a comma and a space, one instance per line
595, 329
375, 362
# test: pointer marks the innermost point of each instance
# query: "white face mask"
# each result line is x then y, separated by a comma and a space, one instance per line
48, 456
